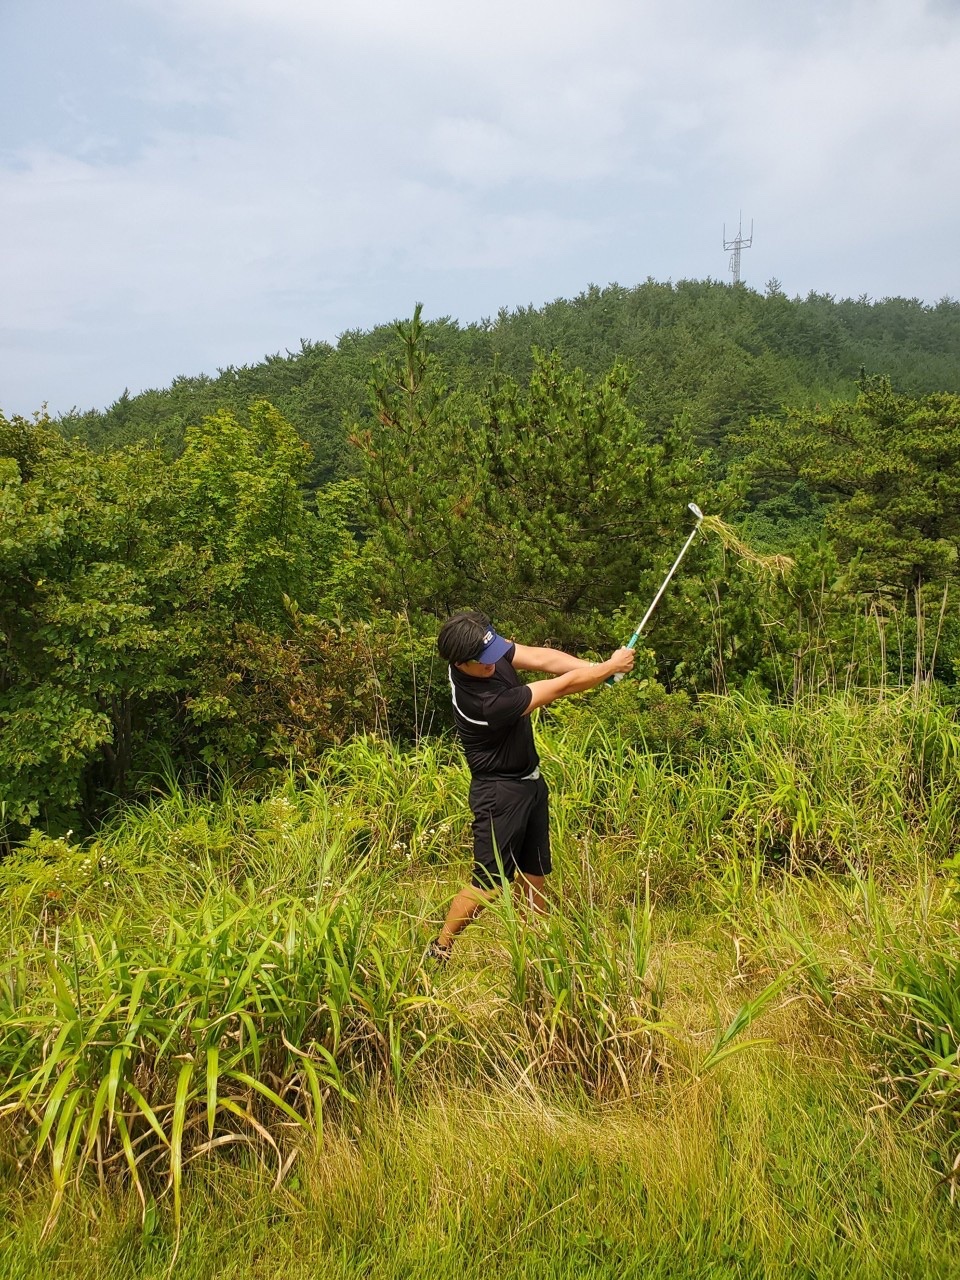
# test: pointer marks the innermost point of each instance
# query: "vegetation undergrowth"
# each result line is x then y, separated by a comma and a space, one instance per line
733, 1043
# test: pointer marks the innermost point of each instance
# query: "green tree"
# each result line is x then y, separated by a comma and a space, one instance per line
82, 564
242, 506
128, 585
886, 469
422, 470
542, 504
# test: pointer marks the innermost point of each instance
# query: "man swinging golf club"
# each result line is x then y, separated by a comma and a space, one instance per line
508, 798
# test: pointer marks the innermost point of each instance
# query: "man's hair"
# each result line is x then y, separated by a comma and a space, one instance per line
461, 637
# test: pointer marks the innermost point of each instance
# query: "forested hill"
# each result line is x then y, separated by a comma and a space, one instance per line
216, 605
705, 352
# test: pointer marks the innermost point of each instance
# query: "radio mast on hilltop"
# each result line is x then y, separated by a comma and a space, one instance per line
736, 244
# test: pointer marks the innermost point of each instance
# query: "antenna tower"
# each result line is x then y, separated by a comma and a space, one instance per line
736, 244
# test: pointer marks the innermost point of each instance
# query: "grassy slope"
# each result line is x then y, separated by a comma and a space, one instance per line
580, 1108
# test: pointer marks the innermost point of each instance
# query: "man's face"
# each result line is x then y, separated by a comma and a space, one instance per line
479, 670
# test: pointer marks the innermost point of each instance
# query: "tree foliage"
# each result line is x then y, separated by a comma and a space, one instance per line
541, 504
702, 352
125, 581
244, 569
886, 471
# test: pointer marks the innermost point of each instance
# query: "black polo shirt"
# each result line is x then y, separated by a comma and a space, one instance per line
497, 737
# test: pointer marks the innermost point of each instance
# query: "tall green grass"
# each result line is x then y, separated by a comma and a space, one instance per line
758, 921
767, 1169
142, 1044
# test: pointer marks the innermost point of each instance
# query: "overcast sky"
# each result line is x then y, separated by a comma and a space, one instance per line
187, 184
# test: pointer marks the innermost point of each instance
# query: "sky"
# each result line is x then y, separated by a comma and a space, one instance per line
191, 184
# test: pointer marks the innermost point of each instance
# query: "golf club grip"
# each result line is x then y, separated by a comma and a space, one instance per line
620, 675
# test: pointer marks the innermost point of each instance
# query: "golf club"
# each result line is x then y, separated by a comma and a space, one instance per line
631, 643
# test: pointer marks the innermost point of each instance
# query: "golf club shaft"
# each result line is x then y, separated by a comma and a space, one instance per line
631, 643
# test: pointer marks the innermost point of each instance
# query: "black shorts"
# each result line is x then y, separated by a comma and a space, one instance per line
511, 829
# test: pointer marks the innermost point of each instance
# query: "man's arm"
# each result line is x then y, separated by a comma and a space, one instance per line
586, 676
553, 662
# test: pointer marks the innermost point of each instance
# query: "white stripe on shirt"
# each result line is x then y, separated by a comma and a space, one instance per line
456, 705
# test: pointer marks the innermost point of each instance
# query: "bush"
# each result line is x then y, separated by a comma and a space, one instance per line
640, 712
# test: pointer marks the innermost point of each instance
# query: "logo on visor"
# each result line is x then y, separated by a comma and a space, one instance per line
488, 638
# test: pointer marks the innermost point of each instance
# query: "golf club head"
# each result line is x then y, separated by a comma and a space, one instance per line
692, 506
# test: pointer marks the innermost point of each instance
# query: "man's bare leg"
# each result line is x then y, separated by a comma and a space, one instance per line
528, 890
469, 902
465, 907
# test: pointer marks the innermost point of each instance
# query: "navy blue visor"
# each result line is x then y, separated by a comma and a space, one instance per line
494, 647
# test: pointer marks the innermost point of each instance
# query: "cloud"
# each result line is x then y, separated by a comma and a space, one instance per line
857, 133
238, 174
496, 33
